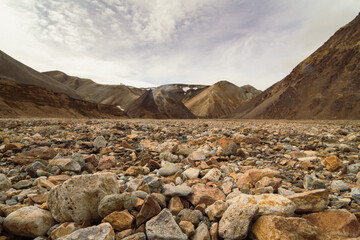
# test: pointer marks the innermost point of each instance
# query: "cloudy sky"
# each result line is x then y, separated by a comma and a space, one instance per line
153, 42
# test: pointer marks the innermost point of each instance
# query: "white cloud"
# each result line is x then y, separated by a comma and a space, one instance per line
147, 43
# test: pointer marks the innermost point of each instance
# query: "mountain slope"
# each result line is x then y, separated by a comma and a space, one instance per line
20, 100
18, 72
119, 95
220, 99
326, 85
165, 102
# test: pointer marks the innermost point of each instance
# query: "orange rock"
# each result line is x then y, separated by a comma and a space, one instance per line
336, 222
120, 220
283, 228
311, 201
253, 175
332, 163
205, 194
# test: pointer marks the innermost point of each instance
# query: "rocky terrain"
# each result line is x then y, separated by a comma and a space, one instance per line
326, 85
179, 179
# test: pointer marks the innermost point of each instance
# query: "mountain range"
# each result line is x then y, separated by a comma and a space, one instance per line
324, 86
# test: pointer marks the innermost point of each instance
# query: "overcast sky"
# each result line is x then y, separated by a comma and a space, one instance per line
146, 43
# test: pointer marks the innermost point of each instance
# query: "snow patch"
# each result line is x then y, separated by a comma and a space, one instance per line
185, 89
120, 108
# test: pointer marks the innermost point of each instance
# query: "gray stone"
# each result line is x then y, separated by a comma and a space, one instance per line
136, 236
339, 185
355, 193
213, 175
100, 142
311, 182
22, 184
201, 232
353, 168
193, 216
168, 169
77, 199
103, 231
5, 183
191, 173
177, 191
116, 202
29, 222
65, 164
163, 226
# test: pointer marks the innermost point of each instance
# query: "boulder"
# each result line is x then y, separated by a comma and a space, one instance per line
283, 228
236, 220
77, 199
29, 222
336, 222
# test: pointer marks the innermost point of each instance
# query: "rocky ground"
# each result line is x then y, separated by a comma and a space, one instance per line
196, 179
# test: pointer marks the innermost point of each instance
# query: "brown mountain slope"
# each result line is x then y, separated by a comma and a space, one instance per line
16, 71
165, 102
220, 99
326, 85
20, 100
119, 95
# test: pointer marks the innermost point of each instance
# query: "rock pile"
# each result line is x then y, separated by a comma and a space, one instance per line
132, 179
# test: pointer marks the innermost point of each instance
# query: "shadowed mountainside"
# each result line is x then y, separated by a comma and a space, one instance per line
326, 85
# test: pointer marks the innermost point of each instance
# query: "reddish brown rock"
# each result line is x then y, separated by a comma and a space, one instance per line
205, 194
252, 176
283, 228
336, 222
149, 209
106, 162
311, 201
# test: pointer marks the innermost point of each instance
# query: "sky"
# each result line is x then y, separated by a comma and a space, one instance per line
147, 43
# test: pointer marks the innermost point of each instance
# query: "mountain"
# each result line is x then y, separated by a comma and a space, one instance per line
22, 100
14, 70
220, 99
165, 102
119, 95
326, 85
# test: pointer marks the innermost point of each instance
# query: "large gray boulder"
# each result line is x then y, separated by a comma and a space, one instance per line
77, 199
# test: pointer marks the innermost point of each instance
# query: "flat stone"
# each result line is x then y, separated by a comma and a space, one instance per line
77, 199
136, 236
102, 231
198, 155
22, 184
66, 164
253, 175
168, 169
177, 191
275, 204
29, 222
336, 222
277, 227
311, 201
164, 227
